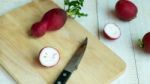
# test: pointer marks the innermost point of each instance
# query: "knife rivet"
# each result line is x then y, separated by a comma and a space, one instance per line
64, 74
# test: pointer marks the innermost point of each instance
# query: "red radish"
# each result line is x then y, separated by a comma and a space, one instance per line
145, 43
56, 19
126, 10
52, 20
38, 29
111, 31
49, 57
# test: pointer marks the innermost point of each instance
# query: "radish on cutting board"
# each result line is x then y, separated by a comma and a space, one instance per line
111, 31
38, 29
55, 19
52, 20
49, 57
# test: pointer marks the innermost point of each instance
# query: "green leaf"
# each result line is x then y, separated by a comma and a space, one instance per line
81, 2
66, 2
140, 43
74, 8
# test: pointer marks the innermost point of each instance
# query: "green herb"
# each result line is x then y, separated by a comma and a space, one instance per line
74, 7
140, 43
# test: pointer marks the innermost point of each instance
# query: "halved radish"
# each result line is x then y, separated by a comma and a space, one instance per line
112, 31
49, 57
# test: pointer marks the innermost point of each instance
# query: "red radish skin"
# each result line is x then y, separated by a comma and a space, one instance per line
38, 29
108, 37
52, 64
126, 10
56, 19
52, 20
111, 31
146, 42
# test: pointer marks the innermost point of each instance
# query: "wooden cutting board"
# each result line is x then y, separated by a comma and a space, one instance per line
19, 51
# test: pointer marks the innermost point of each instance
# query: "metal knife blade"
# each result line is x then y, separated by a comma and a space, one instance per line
76, 58
72, 64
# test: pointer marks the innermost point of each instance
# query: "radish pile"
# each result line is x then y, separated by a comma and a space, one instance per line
52, 20
111, 31
49, 57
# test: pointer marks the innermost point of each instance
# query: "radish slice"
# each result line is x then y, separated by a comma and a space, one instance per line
49, 57
112, 31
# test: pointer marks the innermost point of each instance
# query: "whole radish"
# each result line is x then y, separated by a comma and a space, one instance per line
126, 10
55, 19
38, 29
146, 42
52, 20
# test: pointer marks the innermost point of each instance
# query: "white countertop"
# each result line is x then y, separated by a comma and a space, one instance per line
138, 62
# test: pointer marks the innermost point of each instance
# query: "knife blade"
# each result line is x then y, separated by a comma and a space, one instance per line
72, 64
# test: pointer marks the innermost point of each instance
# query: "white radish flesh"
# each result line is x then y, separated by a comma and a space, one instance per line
49, 57
112, 31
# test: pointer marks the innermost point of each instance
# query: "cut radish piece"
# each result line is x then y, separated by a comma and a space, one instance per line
49, 57
112, 31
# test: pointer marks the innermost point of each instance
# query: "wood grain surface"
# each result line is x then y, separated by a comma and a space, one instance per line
19, 51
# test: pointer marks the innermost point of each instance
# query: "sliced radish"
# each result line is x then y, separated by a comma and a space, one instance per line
49, 57
112, 31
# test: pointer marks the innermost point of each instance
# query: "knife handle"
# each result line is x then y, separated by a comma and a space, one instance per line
63, 77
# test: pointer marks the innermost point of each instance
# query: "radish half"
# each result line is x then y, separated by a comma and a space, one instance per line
49, 57
112, 31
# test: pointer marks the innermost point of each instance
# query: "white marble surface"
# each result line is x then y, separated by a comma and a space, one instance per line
138, 62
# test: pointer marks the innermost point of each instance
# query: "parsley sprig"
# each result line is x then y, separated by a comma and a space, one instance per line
74, 7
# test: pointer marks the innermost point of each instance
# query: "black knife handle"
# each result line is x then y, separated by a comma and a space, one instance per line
63, 77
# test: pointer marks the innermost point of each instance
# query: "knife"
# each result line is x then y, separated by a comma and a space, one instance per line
72, 64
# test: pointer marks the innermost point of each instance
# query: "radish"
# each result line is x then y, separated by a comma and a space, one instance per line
126, 10
111, 31
53, 20
145, 43
38, 29
49, 57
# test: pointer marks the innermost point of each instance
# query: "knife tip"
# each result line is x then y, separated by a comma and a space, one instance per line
86, 40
